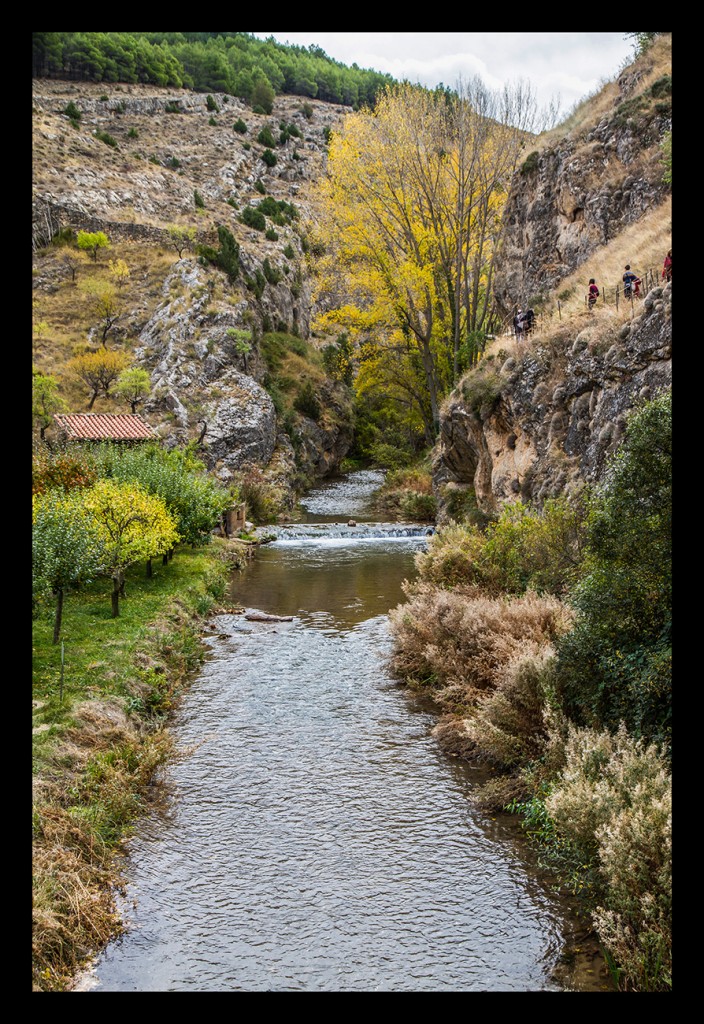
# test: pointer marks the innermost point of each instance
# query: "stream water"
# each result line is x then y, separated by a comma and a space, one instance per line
316, 838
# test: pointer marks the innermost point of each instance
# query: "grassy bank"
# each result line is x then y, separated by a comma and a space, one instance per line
100, 732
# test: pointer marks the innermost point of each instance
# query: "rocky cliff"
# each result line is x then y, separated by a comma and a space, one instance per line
542, 416
540, 423
579, 189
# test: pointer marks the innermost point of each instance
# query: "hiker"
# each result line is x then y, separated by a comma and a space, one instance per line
518, 323
593, 293
528, 321
667, 267
631, 283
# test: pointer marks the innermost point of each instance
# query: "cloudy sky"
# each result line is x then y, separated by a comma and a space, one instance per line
568, 65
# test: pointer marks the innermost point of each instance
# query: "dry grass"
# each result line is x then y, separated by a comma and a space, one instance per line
65, 306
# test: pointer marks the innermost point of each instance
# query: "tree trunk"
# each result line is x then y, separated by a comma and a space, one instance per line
59, 613
149, 568
115, 597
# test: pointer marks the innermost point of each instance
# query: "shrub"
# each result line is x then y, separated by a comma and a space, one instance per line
106, 138
443, 637
530, 163
421, 507
239, 126
72, 111
616, 664
269, 158
272, 275
211, 104
132, 133
289, 253
306, 402
509, 728
253, 218
198, 199
613, 802
271, 235
265, 137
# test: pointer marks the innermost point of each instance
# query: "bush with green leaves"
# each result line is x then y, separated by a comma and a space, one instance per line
269, 158
272, 275
266, 138
198, 200
195, 499
67, 550
228, 258
211, 104
108, 139
307, 403
240, 127
253, 218
615, 666
524, 549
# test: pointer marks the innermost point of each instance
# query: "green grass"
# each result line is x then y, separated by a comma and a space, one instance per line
99, 651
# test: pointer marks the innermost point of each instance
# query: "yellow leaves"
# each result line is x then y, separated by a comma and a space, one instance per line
133, 523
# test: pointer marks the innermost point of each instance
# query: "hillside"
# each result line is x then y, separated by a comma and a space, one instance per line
137, 162
231, 357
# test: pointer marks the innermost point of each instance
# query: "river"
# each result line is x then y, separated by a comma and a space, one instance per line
316, 838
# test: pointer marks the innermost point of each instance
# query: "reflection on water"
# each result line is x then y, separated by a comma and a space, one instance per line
344, 584
317, 839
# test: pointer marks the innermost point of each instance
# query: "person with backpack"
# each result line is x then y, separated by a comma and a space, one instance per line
528, 321
518, 324
593, 293
667, 267
631, 283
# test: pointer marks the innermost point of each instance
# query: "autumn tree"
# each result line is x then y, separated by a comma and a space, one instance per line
132, 525
133, 384
119, 271
409, 222
98, 371
92, 242
104, 303
46, 401
66, 548
181, 238
73, 260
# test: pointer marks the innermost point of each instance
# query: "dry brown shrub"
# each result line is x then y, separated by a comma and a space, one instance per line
443, 637
509, 727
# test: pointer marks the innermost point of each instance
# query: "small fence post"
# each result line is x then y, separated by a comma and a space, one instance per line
61, 678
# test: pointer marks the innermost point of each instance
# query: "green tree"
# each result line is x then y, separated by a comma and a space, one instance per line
92, 242
262, 95
192, 496
132, 525
66, 548
133, 384
181, 238
46, 401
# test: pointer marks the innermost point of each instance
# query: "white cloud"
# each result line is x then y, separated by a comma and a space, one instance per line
571, 64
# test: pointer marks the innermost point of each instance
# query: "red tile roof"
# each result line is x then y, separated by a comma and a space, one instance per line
97, 426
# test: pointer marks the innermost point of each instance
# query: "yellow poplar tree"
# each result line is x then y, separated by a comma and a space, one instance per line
408, 220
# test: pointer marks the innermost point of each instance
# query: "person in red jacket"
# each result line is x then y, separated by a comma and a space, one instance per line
667, 267
593, 293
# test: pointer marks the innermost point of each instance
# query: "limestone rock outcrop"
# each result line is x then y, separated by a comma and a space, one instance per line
533, 427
